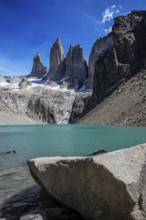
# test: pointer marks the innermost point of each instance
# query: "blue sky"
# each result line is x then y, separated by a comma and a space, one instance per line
30, 26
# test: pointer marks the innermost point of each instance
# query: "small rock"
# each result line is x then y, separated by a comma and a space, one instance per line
32, 217
99, 151
23, 207
52, 83
24, 83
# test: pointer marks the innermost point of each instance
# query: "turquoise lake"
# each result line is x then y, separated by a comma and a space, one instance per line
32, 141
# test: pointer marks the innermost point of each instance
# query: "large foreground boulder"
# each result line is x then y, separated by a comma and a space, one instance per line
110, 186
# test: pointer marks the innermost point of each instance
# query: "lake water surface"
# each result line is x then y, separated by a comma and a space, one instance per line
30, 141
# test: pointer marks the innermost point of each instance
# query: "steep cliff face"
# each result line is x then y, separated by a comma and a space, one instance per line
39, 102
72, 69
52, 107
98, 49
114, 60
56, 69
57, 107
56, 54
76, 66
119, 76
125, 106
38, 69
124, 58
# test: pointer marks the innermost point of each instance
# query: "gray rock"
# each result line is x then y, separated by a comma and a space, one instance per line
56, 61
53, 107
79, 106
24, 83
13, 79
44, 103
107, 186
53, 213
124, 58
51, 83
56, 55
64, 85
38, 69
76, 67
98, 49
72, 69
32, 217
16, 102
99, 151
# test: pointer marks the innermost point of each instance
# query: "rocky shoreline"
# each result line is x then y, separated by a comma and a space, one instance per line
36, 204
107, 185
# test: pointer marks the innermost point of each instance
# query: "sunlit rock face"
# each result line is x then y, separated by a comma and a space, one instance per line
56, 70
110, 186
49, 103
24, 83
38, 69
72, 69
57, 106
56, 55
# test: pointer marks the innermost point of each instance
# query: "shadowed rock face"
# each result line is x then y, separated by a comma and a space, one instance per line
76, 66
109, 186
38, 69
98, 49
124, 58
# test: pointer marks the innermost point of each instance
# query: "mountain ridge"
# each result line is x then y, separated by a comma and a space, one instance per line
113, 61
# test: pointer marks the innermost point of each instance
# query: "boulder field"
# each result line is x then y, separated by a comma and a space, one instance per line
109, 186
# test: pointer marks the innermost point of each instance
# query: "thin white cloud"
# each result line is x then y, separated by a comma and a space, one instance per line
110, 13
107, 31
113, 6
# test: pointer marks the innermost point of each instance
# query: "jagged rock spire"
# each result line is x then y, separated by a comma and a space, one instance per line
37, 59
76, 65
73, 68
38, 69
56, 55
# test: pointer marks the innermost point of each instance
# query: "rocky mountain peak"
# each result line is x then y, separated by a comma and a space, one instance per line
76, 66
75, 54
56, 69
72, 69
38, 69
58, 41
124, 58
56, 55
37, 59
128, 23
98, 49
